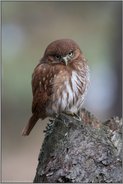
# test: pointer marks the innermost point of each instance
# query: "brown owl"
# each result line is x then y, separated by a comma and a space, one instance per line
59, 82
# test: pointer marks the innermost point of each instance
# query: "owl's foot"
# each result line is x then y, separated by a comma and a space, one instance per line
76, 116
73, 114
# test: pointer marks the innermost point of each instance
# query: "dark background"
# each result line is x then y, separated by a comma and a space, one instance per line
27, 28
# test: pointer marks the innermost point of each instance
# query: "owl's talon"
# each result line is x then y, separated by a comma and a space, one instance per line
68, 113
74, 115
77, 117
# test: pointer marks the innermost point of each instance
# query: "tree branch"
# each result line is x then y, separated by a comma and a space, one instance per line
86, 151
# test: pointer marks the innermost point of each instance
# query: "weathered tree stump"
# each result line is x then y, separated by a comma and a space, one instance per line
86, 151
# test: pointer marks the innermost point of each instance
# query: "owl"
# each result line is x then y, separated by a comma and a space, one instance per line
59, 82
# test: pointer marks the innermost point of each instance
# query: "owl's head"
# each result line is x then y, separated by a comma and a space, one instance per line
62, 51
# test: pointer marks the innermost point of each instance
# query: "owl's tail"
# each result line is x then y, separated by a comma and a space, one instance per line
32, 121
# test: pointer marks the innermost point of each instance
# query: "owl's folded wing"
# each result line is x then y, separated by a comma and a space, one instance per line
40, 88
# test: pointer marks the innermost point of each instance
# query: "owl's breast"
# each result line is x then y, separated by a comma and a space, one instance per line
69, 89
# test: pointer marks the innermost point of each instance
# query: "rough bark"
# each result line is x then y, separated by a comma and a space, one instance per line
86, 151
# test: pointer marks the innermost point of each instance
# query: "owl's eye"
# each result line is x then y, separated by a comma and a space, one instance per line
58, 57
70, 53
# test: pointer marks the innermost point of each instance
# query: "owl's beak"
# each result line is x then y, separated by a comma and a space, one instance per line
65, 60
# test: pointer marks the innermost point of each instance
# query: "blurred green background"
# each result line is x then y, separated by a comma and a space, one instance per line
27, 28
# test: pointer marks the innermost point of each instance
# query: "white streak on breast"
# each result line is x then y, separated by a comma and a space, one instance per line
69, 90
76, 82
64, 100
